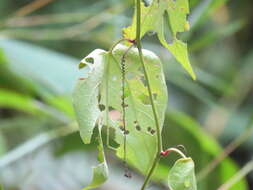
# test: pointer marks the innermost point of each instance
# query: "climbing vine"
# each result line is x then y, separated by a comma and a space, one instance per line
125, 92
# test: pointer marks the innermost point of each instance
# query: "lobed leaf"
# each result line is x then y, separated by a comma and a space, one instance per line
152, 19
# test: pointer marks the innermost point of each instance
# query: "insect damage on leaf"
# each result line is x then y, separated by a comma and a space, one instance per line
104, 81
86, 99
152, 19
138, 111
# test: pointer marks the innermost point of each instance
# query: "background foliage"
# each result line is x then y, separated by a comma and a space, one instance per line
41, 44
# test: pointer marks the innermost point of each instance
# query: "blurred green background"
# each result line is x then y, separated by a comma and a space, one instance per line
41, 43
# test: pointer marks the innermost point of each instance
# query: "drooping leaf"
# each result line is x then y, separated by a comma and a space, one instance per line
100, 96
100, 172
86, 98
152, 19
182, 175
86, 94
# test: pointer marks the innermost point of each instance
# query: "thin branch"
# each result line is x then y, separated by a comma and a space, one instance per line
35, 5
237, 177
66, 33
35, 143
227, 151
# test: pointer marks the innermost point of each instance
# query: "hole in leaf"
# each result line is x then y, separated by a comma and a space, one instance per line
121, 128
111, 108
149, 129
101, 107
147, 2
128, 174
89, 60
151, 33
82, 65
152, 131
138, 128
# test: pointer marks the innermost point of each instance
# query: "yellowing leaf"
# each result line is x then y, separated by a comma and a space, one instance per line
152, 19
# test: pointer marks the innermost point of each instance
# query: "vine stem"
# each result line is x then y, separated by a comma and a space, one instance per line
158, 131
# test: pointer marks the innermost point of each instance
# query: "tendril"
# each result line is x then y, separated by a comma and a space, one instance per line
123, 104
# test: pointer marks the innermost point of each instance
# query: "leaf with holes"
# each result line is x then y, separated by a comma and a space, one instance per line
152, 19
85, 96
182, 175
100, 96
139, 116
85, 100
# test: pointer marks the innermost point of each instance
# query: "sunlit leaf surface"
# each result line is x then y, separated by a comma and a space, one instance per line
152, 19
100, 97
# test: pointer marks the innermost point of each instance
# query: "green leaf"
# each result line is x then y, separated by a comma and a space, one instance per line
34, 65
86, 107
138, 111
9, 99
182, 175
100, 96
86, 95
100, 172
152, 19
